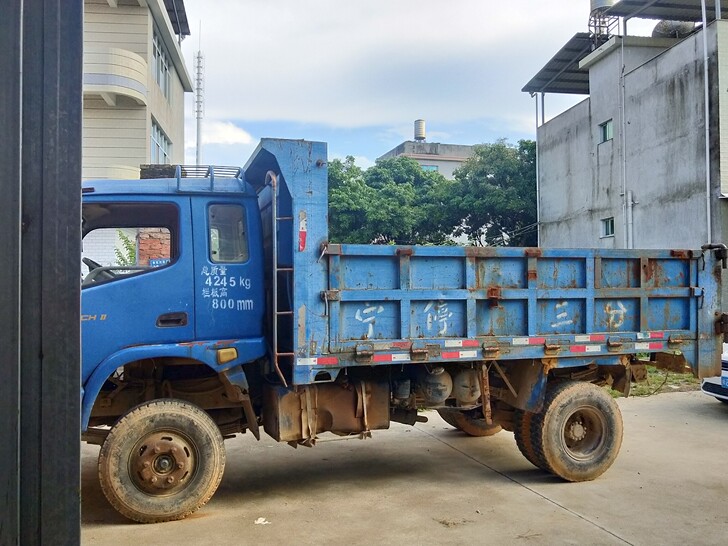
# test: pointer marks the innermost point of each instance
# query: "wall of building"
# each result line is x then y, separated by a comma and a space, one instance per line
121, 96
583, 179
115, 139
168, 112
445, 157
665, 145
575, 190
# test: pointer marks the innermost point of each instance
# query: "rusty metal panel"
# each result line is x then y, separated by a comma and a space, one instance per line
299, 414
516, 304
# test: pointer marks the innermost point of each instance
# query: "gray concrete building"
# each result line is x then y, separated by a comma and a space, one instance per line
134, 83
641, 162
432, 156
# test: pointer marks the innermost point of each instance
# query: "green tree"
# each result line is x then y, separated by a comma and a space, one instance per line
393, 202
127, 254
496, 195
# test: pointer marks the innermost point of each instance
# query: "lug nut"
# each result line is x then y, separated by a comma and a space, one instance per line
170, 480
154, 479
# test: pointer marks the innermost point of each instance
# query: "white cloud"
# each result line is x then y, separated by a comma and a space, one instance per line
219, 132
362, 63
359, 160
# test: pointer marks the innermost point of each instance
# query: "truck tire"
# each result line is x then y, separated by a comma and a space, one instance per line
467, 423
522, 434
579, 432
161, 461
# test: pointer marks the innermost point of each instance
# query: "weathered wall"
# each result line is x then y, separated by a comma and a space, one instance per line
570, 189
581, 178
665, 145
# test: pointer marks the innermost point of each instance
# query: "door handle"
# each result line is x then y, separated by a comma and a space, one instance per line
172, 320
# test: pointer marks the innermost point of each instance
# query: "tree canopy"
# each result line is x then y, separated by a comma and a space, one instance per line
496, 194
393, 202
491, 201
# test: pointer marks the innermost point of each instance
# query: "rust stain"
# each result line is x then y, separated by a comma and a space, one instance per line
549, 364
532, 274
533, 252
649, 268
494, 293
405, 251
682, 254
480, 251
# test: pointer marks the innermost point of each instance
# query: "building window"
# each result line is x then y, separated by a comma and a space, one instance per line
433, 168
160, 145
160, 63
606, 131
608, 227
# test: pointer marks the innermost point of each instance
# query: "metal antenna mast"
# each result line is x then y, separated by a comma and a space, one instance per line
199, 97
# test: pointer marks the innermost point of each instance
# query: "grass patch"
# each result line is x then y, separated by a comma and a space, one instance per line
659, 381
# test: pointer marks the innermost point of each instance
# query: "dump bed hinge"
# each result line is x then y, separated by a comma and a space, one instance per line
721, 326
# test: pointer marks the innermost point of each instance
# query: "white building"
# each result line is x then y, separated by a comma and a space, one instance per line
134, 81
432, 156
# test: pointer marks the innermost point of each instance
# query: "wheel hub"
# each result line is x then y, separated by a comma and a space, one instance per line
162, 462
577, 431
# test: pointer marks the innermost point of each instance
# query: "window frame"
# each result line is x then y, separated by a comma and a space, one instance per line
120, 222
242, 244
160, 145
607, 227
160, 63
606, 131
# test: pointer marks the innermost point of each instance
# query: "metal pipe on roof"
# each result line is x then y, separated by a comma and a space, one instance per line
706, 87
543, 108
627, 225
538, 182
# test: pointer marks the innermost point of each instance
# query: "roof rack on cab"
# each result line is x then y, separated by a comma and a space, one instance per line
192, 171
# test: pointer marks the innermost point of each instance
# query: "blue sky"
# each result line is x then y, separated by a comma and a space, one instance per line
357, 73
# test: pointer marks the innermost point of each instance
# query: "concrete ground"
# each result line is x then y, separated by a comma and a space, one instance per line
430, 484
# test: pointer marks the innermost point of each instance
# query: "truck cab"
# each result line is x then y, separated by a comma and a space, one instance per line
173, 288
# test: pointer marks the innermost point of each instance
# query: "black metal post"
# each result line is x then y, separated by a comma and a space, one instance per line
40, 162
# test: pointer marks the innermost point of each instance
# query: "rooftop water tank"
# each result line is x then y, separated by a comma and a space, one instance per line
420, 129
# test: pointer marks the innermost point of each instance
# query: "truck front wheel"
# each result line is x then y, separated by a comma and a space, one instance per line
161, 461
579, 432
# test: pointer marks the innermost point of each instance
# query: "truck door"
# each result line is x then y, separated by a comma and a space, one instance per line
138, 283
229, 288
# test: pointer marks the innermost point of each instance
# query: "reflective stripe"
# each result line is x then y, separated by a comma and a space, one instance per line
585, 348
590, 338
649, 346
528, 340
318, 361
460, 354
461, 343
650, 335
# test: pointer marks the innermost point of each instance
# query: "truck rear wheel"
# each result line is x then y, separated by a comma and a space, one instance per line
161, 461
467, 422
579, 432
522, 434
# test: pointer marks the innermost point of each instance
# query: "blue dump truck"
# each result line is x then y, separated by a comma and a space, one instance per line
215, 304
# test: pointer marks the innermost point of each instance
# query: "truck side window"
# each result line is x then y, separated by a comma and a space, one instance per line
122, 239
228, 237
